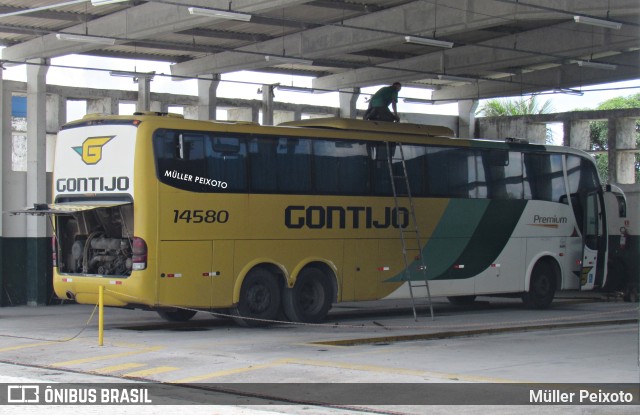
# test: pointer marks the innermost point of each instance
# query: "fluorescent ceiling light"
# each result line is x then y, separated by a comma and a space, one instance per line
418, 101
568, 91
87, 39
285, 59
455, 78
428, 42
597, 22
294, 89
131, 74
197, 11
36, 9
103, 2
596, 65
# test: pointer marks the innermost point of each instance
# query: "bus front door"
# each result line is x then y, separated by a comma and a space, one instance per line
594, 243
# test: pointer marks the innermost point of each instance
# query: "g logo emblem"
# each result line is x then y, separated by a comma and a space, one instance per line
91, 149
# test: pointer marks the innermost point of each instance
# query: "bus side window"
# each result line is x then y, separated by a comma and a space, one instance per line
543, 177
503, 170
340, 167
294, 165
264, 164
227, 162
380, 167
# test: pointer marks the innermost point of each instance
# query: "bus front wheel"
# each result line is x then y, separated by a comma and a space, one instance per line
259, 299
542, 287
310, 298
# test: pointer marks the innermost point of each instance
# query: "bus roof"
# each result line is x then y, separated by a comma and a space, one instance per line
372, 126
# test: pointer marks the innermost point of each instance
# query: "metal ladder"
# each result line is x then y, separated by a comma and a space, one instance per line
410, 238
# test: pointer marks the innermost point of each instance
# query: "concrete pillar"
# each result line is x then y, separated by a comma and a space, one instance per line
577, 134
144, 93
348, 100
109, 106
467, 118
208, 98
267, 104
37, 252
536, 133
625, 161
56, 113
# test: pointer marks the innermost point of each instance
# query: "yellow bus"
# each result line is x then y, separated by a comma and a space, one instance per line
180, 216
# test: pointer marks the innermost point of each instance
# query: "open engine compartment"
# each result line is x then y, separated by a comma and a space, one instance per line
97, 241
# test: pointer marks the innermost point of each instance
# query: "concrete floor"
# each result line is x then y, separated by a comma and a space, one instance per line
581, 341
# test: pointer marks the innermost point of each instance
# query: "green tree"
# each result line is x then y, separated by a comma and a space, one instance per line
509, 107
599, 132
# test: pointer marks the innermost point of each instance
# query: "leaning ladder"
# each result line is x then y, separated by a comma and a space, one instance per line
409, 236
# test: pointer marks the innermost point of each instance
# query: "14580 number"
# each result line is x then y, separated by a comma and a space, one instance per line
200, 216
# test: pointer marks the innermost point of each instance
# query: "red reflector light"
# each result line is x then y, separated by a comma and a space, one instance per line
54, 251
139, 251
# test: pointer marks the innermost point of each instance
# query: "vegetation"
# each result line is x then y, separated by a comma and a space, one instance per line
508, 107
599, 132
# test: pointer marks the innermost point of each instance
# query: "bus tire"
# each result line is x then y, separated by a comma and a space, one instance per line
462, 299
259, 299
310, 298
542, 287
179, 314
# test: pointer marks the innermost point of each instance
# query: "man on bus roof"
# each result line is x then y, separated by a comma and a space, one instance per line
379, 104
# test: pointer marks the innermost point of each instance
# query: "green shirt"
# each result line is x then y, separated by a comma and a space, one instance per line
385, 96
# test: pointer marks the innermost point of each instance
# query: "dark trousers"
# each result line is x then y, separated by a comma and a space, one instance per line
379, 114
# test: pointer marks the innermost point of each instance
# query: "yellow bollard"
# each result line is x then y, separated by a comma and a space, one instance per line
100, 315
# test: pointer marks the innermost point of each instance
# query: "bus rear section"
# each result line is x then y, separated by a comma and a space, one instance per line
94, 242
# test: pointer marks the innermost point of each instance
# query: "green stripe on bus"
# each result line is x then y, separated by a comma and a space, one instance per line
477, 230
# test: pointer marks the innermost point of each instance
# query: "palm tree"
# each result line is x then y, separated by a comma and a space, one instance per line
508, 107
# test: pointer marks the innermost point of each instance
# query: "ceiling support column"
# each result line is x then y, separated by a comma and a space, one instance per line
144, 93
37, 246
348, 100
208, 97
467, 118
267, 104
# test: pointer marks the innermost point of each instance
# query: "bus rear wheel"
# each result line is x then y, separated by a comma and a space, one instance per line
259, 299
542, 287
179, 314
310, 298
